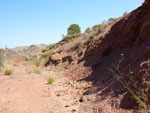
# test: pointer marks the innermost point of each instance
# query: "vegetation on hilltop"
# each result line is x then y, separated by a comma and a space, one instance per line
74, 29
88, 30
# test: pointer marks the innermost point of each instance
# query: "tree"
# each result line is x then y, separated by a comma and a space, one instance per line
88, 30
111, 20
97, 27
74, 29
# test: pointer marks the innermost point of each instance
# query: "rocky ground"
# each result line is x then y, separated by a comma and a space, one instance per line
24, 92
30, 93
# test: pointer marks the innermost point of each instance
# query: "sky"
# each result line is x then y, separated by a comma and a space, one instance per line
27, 22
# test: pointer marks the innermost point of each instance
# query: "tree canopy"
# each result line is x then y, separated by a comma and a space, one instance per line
74, 29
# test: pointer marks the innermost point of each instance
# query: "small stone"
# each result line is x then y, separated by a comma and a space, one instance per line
73, 110
58, 95
67, 106
82, 99
87, 99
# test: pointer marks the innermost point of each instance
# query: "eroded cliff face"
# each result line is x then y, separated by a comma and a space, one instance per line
129, 36
91, 58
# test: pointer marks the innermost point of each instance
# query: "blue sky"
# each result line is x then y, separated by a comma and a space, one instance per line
26, 22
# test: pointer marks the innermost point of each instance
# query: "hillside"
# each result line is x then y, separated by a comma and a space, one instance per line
24, 50
101, 71
90, 56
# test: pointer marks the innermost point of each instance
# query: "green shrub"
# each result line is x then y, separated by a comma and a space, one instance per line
138, 92
74, 29
111, 20
45, 50
88, 30
8, 72
97, 27
50, 80
47, 55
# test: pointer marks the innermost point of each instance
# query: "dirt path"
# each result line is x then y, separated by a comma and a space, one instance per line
24, 92
30, 93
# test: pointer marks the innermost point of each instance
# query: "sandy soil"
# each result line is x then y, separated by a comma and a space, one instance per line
22, 92
30, 93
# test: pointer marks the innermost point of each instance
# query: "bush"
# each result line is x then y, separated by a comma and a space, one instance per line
50, 80
8, 72
45, 50
139, 93
97, 27
88, 30
111, 20
47, 55
74, 29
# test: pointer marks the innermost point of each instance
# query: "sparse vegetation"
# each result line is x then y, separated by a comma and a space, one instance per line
111, 20
100, 27
36, 62
74, 29
45, 50
8, 72
50, 80
37, 71
134, 88
33, 60
97, 27
1, 59
88, 30
47, 55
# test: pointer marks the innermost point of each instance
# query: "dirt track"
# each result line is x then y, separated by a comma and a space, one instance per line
24, 92
30, 93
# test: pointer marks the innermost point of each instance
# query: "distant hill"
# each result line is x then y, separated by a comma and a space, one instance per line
24, 50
